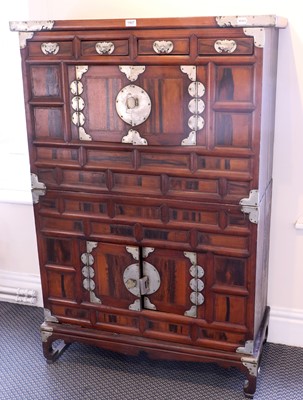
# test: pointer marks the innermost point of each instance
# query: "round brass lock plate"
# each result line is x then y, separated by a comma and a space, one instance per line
133, 105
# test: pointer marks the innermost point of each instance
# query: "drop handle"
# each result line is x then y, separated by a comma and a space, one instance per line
131, 283
132, 102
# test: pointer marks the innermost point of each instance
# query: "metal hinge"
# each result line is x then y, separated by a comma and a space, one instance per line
196, 284
250, 206
88, 272
38, 188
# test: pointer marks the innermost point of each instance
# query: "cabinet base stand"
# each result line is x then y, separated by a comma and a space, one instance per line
155, 349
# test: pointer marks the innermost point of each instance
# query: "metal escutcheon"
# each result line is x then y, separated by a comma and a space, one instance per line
163, 46
225, 46
133, 105
104, 48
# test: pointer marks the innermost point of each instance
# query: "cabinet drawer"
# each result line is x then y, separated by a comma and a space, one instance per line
225, 46
173, 46
54, 48
117, 47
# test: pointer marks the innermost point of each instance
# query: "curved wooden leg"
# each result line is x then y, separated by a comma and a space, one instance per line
52, 354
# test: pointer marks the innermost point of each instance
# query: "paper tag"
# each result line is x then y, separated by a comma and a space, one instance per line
130, 22
241, 21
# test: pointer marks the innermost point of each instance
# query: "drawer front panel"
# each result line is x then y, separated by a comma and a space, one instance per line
105, 47
172, 46
225, 46
51, 49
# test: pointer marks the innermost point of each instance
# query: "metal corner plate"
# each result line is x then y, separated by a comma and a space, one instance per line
251, 20
31, 26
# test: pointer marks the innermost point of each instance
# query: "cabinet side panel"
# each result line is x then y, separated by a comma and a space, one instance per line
265, 170
262, 258
268, 109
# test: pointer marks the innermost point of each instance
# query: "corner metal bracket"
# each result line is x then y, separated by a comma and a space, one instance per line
38, 188
23, 37
252, 20
31, 26
252, 364
248, 348
48, 317
46, 332
133, 137
27, 29
250, 206
258, 34
132, 71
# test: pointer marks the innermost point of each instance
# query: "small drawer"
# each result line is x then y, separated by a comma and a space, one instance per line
102, 47
50, 49
225, 46
163, 46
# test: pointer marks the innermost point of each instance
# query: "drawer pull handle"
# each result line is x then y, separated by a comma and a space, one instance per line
225, 46
104, 48
50, 48
163, 46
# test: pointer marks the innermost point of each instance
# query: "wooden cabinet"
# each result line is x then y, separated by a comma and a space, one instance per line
151, 151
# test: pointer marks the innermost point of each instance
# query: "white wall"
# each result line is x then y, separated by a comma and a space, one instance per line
18, 251
286, 253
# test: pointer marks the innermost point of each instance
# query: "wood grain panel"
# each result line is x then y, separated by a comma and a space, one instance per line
45, 81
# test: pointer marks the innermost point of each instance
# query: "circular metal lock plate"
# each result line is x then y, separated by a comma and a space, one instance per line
133, 105
131, 276
153, 275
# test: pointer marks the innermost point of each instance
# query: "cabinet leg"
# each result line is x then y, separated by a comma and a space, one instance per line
52, 354
250, 386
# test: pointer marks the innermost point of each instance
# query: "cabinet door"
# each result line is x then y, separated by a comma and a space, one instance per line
146, 105
136, 278
181, 283
103, 271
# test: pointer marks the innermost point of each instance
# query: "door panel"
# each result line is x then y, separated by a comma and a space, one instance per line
166, 104
103, 271
181, 288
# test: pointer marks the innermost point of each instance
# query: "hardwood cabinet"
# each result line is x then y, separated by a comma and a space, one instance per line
151, 153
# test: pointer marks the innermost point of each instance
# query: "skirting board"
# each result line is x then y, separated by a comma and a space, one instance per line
13, 283
285, 325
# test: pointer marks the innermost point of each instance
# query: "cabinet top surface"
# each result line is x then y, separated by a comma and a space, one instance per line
146, 23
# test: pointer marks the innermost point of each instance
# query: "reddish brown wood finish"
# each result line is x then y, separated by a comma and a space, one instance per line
171, 198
